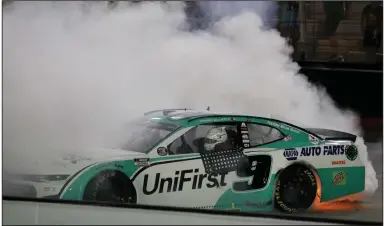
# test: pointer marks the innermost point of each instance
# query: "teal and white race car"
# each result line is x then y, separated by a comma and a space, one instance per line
200, 159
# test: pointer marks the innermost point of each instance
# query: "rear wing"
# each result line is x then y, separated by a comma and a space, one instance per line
329, 134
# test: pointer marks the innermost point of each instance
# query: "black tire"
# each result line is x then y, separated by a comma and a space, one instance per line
295, 189
110, 186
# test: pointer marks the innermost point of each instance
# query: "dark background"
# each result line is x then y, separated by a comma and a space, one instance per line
358, 87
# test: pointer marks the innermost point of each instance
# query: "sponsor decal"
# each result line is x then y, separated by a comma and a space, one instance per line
244, 135
208, 120
274, 124
283, 126
311, 177
327, 150
310, 151
189, 179
234, 208
258, 204
351, 152
291, 154
313, 139
243, 127
142, 162
341, 162
289, 128
162, 151
339, 178
334, 149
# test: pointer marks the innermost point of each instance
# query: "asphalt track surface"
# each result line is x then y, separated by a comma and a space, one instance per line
373, 209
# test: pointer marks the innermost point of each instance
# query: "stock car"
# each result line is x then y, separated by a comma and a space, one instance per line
206, 160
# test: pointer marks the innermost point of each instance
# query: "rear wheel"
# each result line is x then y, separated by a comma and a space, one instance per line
295, 189
110, 186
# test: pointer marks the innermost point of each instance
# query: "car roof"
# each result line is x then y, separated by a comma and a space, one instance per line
182, 117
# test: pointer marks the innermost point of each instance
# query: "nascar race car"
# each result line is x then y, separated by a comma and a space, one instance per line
207, 160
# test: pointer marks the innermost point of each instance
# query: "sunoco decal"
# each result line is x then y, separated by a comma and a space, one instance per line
339, 178
184, 179
313, 139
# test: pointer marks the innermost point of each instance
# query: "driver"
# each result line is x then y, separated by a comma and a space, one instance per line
219, 138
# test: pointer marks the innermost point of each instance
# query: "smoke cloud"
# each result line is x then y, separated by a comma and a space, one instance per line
73, 72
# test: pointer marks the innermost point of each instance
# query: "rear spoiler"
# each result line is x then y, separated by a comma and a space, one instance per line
328, 134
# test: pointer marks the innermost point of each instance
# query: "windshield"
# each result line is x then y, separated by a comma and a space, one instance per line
144, 136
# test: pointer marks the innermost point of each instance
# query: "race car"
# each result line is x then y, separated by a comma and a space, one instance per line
206, 160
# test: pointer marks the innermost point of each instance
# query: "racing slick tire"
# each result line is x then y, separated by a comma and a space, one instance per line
110, 186
295, 189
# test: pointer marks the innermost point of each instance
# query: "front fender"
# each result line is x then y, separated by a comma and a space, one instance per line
74, 190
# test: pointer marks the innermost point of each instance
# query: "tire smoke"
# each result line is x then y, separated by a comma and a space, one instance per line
73, 73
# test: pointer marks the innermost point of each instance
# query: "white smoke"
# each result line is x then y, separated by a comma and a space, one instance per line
371, 181
71, 75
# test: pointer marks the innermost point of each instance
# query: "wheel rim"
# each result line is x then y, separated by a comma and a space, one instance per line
295, 191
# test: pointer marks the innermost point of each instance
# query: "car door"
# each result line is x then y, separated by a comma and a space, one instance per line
180, 177
251, 187
256, 168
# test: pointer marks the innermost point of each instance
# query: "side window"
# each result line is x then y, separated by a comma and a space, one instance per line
262, 134
206, 138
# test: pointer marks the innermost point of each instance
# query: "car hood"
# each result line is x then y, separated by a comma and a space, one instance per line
69, 162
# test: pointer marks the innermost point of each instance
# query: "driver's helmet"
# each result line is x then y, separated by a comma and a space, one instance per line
215, 136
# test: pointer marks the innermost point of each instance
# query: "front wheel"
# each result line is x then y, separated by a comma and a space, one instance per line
110, 186
295, 189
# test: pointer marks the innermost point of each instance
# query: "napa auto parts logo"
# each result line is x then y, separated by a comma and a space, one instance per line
339, 178
291, 154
